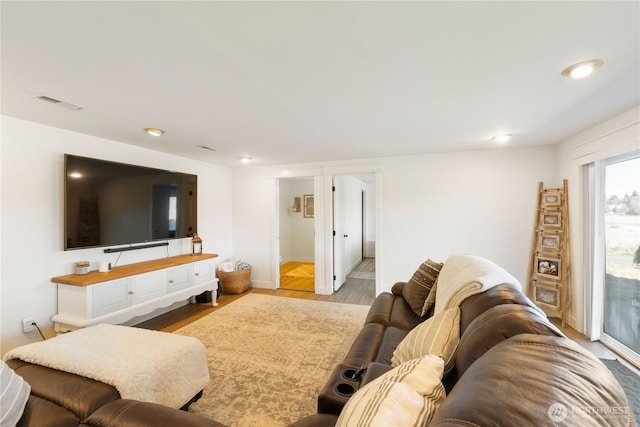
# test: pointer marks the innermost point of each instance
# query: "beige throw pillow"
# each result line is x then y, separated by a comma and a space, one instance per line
417, 289
439, 335
14, 395
408, 395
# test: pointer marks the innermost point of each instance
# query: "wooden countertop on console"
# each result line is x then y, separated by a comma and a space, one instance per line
94, 276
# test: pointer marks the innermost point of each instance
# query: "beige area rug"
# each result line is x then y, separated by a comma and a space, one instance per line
270, 356
304, 271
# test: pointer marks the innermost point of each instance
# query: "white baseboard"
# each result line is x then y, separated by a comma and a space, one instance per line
261, 284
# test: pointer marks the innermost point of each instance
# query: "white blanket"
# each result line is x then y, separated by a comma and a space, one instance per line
463, 276
143, 365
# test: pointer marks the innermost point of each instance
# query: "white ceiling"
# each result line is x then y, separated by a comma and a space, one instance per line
289, 82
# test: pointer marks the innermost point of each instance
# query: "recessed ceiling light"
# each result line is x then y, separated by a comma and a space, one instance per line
75, 175
245, 159
582, 69
502, 138
154, 131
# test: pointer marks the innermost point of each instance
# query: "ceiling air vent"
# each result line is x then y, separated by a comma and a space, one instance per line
205, 147
66, 105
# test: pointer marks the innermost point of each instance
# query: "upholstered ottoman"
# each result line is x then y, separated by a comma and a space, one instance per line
144, 365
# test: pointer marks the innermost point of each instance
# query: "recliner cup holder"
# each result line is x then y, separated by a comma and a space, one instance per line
349, 373
345, 389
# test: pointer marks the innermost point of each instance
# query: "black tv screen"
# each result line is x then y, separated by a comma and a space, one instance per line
110, 204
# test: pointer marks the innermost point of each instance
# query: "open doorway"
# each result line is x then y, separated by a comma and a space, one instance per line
354, 232
296, 234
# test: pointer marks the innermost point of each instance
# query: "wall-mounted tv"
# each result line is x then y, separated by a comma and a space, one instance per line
111, 204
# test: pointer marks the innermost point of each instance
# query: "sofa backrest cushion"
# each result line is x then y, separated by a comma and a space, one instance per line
498, 324
417, 289
536, 380
505, 293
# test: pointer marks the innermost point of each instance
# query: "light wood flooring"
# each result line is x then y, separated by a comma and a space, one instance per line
354, 291
295, 282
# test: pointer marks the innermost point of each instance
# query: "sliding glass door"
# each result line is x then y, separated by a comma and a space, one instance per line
621, 288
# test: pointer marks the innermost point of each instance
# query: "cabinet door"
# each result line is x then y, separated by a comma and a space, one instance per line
203, 271
179, 278
149, 286
111, 296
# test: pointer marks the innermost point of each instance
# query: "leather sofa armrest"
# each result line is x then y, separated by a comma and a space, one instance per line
133, 413
67, 392
316, 420
397, 288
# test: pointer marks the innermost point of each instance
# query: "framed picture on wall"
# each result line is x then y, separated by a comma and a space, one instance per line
308, 211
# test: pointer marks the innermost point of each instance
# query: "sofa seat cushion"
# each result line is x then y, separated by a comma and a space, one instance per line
41, 412
498, 324
535, 380
78, 395
392, 338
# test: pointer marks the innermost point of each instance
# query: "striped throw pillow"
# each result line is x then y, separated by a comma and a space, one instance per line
417, 289
439, 335
14, 394
408, 395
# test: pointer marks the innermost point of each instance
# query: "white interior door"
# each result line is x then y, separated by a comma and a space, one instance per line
339, 234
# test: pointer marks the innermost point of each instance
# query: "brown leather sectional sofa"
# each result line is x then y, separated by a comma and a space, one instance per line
61, 399
513, 367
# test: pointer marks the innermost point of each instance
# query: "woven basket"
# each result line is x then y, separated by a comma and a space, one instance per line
234, 282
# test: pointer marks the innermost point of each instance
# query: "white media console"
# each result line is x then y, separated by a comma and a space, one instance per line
131, 290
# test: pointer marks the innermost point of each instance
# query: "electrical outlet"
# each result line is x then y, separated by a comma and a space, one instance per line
28, 324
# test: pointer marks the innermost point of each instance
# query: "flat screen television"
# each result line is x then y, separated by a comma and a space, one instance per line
111, 204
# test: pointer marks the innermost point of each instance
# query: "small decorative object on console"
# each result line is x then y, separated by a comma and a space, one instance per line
196, 244
81, 267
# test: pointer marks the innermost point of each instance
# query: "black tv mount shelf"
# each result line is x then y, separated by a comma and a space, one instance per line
133, 248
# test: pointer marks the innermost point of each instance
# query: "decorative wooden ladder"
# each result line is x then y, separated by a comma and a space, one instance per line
549, 266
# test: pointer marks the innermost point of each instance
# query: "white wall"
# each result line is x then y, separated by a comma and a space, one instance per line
32, 217
614, 137
429, 206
